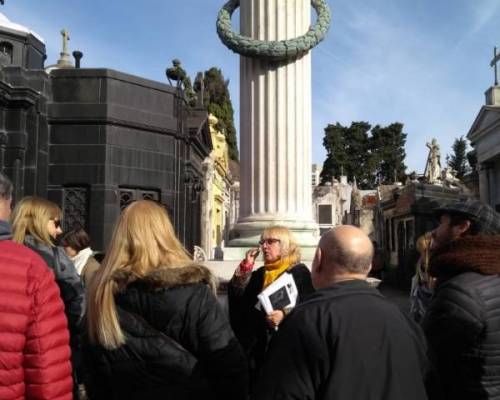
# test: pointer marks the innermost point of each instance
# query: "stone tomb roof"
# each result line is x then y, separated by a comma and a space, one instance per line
5, 23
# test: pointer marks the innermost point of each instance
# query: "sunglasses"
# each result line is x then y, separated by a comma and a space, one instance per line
57, 223
268, 241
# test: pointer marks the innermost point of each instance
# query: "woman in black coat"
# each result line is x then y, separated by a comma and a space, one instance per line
155, 329
252, 325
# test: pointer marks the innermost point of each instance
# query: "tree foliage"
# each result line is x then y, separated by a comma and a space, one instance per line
458, 159
371, 155
219, 103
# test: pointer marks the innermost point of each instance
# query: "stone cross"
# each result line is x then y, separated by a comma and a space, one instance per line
493, 63
65, 39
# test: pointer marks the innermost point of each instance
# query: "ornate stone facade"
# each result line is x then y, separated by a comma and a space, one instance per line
485, 138
332, 203
217, 196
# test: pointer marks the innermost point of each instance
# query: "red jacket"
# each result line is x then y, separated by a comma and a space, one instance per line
34, 339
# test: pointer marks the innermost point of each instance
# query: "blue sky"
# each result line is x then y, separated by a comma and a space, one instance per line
424, 63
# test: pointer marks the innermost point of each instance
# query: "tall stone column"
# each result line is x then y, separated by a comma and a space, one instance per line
275, 125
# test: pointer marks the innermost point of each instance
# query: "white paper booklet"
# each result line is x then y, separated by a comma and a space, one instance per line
279, 294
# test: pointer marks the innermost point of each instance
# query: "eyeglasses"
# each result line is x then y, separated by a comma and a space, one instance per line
269, 242
57, 223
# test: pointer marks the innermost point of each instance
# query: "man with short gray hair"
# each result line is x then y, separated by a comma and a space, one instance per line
346, 341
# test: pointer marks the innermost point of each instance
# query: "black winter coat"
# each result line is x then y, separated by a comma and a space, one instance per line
249, 323
179, 344
462, 323
346, 342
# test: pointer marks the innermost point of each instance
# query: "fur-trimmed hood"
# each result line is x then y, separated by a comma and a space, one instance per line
479, 254
167, 277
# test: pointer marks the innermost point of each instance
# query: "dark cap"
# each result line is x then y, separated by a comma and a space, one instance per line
486, 218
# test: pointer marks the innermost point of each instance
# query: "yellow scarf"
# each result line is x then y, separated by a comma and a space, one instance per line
274, 270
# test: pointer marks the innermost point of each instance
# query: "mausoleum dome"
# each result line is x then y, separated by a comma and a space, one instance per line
6, 23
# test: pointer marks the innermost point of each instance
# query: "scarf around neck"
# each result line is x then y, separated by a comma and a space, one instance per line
274, 270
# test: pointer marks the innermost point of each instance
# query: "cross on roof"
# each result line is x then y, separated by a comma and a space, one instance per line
493, 63
65, 38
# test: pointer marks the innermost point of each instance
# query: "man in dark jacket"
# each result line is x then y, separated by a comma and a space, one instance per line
462, 323
346, 341
34, 344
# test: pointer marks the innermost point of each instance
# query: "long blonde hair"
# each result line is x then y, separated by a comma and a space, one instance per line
423, 246
289, 247
31, 216
143, 240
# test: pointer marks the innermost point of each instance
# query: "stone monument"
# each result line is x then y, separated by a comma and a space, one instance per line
275, 115
64, 60
433, 167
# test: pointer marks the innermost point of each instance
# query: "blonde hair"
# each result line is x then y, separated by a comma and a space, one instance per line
143, 240
31, 216
289, 247
423, 246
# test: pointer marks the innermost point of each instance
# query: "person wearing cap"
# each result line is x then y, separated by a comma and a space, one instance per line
462, 323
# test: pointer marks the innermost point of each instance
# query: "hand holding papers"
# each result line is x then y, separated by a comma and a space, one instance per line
280, 294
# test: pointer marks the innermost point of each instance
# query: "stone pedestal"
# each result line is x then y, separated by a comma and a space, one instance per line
275, 127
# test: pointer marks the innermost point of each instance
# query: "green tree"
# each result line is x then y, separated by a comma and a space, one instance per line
219, 103
336, 156
458, 159
373, 157
346, 152
388, 153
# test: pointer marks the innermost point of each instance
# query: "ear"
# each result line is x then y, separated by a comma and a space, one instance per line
463, 227
316, 264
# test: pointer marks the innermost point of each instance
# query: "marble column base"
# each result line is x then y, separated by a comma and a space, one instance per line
246, 234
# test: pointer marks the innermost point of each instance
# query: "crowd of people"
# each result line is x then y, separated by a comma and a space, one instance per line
146, 322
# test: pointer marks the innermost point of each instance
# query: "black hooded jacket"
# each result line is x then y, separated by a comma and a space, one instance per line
179, 344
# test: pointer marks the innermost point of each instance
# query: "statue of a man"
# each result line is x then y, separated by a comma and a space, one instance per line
433, 167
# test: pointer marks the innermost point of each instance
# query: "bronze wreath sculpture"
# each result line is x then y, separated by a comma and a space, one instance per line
279, 50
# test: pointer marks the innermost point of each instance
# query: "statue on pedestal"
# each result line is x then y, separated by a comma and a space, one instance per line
433, 167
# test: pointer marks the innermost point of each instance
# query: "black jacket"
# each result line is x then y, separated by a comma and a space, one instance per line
346, 342
179, 344
462, 323
249, 324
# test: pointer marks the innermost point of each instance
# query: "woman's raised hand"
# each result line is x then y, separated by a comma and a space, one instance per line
251, 255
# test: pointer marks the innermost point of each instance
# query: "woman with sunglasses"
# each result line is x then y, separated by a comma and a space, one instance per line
252, 326
36, 223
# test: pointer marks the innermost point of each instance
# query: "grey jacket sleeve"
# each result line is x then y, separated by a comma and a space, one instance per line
72, 291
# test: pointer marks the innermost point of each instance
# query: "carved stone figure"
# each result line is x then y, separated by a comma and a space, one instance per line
433, 167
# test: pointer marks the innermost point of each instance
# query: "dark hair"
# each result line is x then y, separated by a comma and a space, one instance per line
458, 219
77, 239
5, 187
